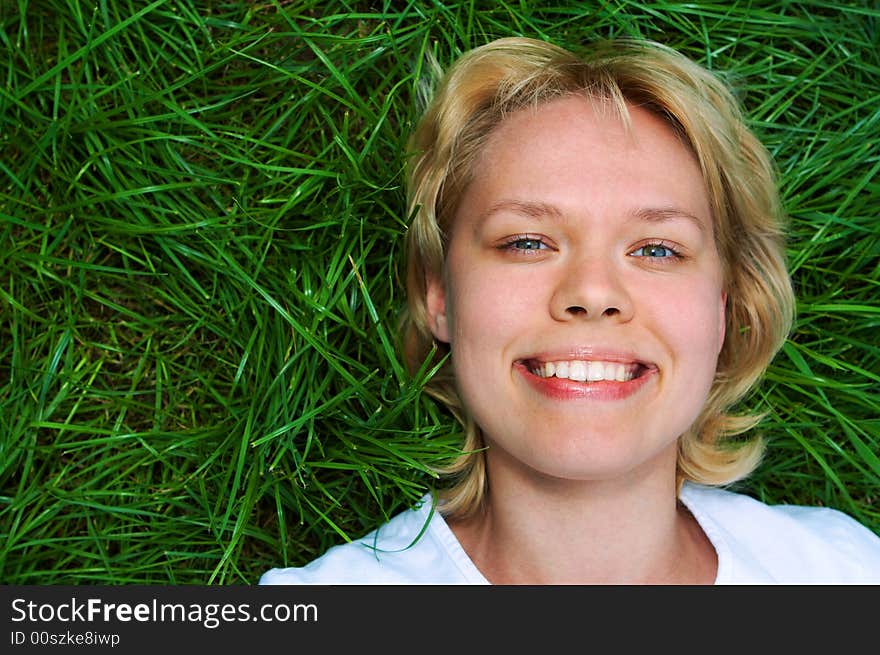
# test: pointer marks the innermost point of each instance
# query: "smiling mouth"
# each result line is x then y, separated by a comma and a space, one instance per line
587, 370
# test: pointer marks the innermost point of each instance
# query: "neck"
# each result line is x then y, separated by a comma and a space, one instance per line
539, 530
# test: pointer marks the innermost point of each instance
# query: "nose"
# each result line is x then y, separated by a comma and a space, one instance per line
591, 288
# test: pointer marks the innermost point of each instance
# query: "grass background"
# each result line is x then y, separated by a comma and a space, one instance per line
201, 218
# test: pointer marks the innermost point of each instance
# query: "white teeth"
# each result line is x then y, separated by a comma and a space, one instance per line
562, 369
586, 371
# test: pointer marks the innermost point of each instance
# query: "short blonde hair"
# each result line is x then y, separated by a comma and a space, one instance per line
490, 81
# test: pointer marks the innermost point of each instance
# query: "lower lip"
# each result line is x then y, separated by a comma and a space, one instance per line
562, 389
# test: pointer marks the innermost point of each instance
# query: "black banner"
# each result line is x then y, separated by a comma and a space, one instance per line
403, 619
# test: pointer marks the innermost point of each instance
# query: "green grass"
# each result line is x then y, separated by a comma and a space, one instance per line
201, 219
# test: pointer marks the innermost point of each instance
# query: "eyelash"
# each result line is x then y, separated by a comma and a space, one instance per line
674, 253
510, 244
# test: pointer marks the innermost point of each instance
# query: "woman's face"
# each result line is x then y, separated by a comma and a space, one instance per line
582, 296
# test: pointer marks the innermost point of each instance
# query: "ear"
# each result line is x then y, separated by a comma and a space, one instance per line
722, 321
435, 304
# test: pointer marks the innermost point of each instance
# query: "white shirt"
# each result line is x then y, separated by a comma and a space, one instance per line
755, 543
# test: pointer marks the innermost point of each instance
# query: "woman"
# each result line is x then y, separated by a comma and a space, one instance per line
597, 243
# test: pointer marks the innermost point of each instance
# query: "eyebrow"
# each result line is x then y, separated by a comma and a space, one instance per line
663, 214
536, 210
529, 209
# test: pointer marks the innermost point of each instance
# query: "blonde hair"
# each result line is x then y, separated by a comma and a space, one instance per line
490, 81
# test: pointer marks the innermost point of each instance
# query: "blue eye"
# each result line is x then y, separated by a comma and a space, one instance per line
524, 244
528, 244
655, 251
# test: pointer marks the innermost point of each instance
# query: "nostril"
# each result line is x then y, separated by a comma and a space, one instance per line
577, 310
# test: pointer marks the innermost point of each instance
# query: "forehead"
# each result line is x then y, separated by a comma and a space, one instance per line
578, 154
591, 126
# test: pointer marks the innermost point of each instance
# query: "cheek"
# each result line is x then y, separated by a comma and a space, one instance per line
488, 309
693, 319
487, 306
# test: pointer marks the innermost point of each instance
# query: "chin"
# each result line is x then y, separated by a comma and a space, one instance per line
575, 463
